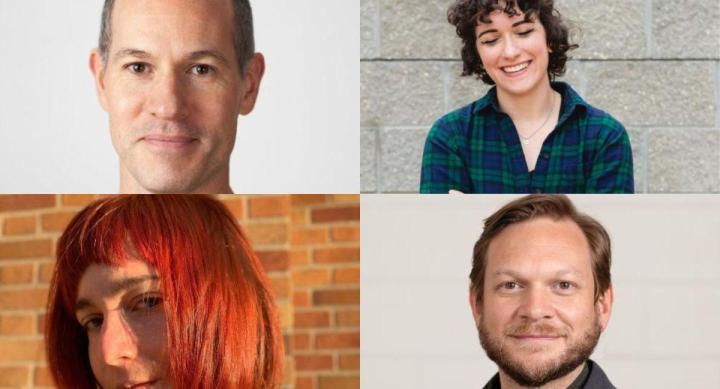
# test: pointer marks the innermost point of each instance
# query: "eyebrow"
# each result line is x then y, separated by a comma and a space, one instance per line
514, 25
515, 274
195, 55
116, 287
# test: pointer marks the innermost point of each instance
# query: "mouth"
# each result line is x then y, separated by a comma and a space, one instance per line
535, 337
140, 385
169, 142
515, 69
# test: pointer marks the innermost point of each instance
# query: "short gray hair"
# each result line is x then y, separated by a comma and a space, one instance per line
244, 38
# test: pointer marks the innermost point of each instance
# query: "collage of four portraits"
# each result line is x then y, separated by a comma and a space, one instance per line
360, 194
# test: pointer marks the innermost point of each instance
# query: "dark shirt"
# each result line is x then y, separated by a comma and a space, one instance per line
591, 377
476, 149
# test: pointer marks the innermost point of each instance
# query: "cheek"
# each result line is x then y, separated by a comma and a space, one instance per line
152, 338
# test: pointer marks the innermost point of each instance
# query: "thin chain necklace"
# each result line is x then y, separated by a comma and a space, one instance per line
526, 139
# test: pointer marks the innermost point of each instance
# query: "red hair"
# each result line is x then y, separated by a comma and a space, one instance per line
222, 327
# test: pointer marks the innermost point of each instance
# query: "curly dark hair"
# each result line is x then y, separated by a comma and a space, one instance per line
465, 15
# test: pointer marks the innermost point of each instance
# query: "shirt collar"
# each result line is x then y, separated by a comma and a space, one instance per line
570, 101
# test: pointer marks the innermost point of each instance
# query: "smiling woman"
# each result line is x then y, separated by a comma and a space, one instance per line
160, 292
528, 133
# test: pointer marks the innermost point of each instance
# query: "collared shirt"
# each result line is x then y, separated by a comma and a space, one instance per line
591, 377
476, 149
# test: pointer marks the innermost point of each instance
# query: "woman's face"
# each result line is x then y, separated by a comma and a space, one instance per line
121, 310
514, 52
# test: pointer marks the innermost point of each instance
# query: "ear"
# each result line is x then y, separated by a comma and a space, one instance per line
604, 307
251, 83
98, 71
474, 306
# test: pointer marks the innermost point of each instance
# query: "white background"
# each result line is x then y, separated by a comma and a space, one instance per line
418, 331
303, 135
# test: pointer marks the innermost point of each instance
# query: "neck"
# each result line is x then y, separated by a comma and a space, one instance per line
561, 383
217, 184
533, 104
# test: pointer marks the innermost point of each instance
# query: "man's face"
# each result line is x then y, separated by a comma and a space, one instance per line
538, 319
173, 90
121, 310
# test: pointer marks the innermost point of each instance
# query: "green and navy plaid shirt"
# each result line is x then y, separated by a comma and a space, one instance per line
476, 149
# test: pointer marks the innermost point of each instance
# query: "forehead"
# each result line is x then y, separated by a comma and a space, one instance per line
100, 280
173, 24
540, 246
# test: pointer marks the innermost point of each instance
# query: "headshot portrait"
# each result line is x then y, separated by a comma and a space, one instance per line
541, 291
185, 96
179, 291
496, 96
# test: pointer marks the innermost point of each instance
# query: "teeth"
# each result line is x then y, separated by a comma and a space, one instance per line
516, 68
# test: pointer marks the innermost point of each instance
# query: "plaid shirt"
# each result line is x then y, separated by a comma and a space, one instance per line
476, 149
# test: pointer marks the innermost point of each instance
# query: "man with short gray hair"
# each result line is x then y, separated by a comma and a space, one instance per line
173, 76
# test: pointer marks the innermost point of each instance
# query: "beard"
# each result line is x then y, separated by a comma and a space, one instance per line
527, 374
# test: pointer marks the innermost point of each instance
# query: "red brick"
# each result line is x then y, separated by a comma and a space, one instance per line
56, 221
41, 323
21, 350
23, 299
346, 198
23, 202
17, 324
17, 274
276, 260
350, 275
311, 277
26, 249
349, 362
337, 255
300, 342
301, 200
312, 319
345, 233
349, 318
299, 258
336, 297
301, 298
304, 383
281, 286
306, 236
14, 377
339, 382
236, 207
268, 206
299, 216
267, 233
336, 214
19, 225
43, 376
46, 272
337, 340
78, 200
313, 362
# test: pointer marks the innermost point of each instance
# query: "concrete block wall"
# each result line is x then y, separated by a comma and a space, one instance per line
652, 64
309, 245
417, 327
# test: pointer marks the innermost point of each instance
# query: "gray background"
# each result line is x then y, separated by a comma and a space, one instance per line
417, 327
653, 64
302, 136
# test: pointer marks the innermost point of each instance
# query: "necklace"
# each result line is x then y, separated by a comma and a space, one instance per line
526, 139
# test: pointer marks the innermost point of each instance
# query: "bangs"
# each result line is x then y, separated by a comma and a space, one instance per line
510, 7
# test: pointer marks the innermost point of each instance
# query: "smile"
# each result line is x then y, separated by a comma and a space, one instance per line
516, 68
142, 385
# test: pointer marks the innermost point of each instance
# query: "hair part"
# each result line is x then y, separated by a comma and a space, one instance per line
531, 207
466, 14
243, 38
222, 327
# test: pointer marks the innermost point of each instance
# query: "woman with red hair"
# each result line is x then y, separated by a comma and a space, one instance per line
160, 291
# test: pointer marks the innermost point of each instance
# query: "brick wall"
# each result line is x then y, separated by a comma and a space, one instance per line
309, 246
653, 64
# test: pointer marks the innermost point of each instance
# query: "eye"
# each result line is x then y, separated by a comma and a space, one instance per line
148, 302
92, 323
565, 285
489, 42
527, 32
510, 285
137, 67
201, 69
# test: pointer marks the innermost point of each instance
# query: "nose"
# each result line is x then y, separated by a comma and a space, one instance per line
536, 304
510, 48
167, 97
118, 342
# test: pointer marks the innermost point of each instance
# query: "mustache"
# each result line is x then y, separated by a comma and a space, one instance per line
541, 329
166, 128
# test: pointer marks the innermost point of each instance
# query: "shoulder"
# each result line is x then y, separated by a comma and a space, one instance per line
460, 122
597, 378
